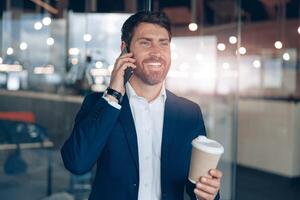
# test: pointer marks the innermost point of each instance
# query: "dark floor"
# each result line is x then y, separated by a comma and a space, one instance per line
257, 185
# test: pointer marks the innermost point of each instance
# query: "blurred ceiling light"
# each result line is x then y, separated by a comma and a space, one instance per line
23, 46
46, 21
221, 46
9, 51
278, 44
193, 26
38, 25
73, 51
100, 72
232, 40
1, 60
49, 69
87, 37
11, 68
99, 64
286, 56
299, 29
242, 50
225, 65
50, 41
74, 61
256, 63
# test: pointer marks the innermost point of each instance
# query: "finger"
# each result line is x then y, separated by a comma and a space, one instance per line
125, 55
122, 68
213, 182
127, 59
120, 62
117, 77
203, 195
120, 65
203, 177
206, 188
215, 173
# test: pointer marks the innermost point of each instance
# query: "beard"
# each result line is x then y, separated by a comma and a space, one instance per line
152, 76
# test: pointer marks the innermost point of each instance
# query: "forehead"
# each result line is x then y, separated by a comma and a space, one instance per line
150, 30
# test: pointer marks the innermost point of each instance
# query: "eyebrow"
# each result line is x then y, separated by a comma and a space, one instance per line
150, 39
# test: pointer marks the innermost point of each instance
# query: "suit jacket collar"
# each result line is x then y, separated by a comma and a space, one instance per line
127, 122
169, 130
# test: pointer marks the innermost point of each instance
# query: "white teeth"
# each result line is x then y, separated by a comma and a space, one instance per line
156, 64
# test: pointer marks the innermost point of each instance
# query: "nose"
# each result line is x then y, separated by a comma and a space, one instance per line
155, 51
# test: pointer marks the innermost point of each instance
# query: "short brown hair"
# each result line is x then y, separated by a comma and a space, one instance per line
158, 18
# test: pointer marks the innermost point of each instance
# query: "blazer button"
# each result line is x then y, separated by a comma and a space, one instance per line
134, 185
164, 195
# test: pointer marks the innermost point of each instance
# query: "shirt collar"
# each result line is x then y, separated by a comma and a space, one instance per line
131, 92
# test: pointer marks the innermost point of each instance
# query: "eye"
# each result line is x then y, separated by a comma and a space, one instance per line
165, 44
145, 43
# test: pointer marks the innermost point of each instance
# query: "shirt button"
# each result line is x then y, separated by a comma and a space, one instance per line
146, 185
147, 157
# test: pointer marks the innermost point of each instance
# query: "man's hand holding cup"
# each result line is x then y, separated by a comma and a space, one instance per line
206, 154
207, 187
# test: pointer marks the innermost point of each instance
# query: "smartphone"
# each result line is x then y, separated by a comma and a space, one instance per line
128, 71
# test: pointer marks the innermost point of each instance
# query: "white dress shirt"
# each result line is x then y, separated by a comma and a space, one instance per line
148, 119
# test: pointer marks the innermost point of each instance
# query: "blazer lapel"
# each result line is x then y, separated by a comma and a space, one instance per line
127, 122
169, 129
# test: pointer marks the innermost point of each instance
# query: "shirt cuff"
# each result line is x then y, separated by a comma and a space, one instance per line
112, 103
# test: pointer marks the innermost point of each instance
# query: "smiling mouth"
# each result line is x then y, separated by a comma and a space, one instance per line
154, 64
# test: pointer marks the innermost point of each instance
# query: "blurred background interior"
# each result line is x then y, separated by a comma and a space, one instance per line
238, 59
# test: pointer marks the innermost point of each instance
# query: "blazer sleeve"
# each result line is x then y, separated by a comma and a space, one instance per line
199, 128
93, 123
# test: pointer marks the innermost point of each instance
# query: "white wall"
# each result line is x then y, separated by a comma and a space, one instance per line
268, 136
296, 150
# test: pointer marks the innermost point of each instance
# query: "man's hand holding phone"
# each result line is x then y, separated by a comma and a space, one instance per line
117, 76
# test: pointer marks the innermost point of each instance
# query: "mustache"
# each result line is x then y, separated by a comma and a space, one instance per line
153, 59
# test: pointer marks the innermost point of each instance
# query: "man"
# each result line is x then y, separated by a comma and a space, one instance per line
139, 134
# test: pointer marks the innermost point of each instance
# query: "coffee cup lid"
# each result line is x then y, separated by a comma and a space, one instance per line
208, 145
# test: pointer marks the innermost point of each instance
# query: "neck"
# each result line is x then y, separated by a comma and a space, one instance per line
149, 92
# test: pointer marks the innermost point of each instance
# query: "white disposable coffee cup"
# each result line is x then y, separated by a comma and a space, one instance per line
206, 154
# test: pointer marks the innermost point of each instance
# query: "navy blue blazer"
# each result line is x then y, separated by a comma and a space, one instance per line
105, 135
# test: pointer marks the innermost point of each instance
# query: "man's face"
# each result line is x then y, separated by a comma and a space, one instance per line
150, 46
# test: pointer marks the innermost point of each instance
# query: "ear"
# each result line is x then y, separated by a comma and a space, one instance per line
123, 45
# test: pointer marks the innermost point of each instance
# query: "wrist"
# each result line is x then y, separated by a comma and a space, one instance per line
113, 95
117, 88
112, 98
